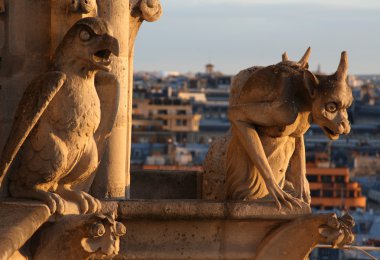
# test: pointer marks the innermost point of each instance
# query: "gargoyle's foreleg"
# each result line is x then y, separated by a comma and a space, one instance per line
251, 142
296, 174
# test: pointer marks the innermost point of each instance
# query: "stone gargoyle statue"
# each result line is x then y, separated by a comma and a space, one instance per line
62, 121
270, 109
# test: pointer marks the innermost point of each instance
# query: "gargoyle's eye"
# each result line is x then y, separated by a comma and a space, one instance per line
331, 107
84, 35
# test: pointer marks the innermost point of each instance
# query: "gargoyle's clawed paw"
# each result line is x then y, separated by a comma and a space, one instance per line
85, 202
305, 197
89, 204
54, 202
281, 197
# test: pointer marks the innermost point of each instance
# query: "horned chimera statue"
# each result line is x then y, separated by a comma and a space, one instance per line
270, 109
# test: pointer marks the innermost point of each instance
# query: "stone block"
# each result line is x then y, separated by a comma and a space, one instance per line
165, 185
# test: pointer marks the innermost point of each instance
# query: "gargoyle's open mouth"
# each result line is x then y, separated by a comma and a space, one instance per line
102, 57
330, 134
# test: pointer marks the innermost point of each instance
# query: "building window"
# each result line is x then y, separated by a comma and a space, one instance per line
315, 193
137, 154
181, 122
326, 179
312, 178
339, 179
328, 193
162, 112
181, 112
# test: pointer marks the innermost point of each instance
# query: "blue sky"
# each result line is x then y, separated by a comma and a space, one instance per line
236, 34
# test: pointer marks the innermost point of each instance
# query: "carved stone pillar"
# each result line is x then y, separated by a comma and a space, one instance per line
126, 18
24, 54
150, 11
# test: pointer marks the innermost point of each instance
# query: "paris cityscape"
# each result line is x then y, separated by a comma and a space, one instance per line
177, 115
199, 129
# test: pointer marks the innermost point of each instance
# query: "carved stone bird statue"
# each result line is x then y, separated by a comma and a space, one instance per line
62, 121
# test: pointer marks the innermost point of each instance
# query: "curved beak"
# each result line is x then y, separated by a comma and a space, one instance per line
113, 44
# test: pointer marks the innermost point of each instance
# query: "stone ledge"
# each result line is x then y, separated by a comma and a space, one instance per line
201, 209
199, 229
18, 222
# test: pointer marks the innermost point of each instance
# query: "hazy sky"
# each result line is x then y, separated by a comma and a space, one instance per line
236, 34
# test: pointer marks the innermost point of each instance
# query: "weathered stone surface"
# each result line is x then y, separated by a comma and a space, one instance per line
197, 229
270, 109
200, 209
18, 221
173, 185
2, 6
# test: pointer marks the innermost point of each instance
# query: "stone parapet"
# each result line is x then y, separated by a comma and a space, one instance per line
198, 229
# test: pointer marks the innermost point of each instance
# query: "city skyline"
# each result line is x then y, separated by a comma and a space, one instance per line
236, 34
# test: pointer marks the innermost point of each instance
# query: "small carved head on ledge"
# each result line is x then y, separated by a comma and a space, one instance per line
102, 233
80, 237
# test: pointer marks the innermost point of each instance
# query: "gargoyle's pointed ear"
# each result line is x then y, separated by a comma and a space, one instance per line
341, 72
311, 82
285, 57
304, 61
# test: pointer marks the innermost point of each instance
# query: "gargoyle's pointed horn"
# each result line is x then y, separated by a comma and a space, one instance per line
305, 59
285, 57
341, 72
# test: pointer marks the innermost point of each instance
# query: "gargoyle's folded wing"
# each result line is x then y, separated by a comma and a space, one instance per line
35, 100
108, 89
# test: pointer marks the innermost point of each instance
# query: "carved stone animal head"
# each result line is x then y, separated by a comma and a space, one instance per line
86, 46
85, 236
331, 97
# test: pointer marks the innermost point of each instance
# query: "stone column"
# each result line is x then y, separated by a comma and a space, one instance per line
110, 180
24, 54
113, 180
145, 10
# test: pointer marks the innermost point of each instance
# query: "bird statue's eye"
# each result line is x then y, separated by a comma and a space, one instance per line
331, 107
84, 35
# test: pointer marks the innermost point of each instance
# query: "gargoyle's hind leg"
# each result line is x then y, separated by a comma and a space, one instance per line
243, 182
79, 180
